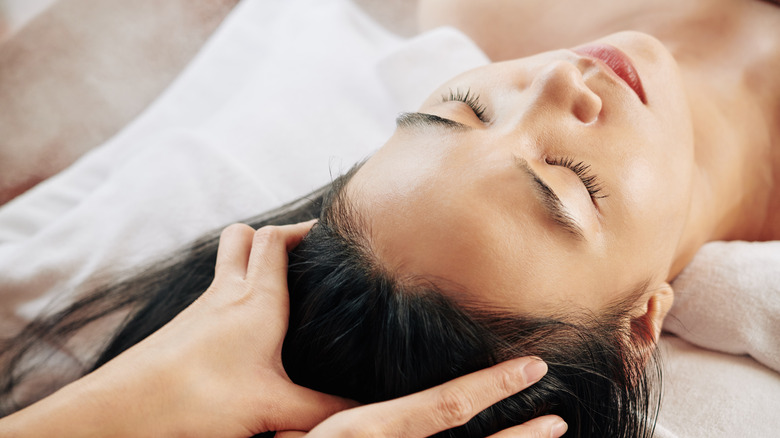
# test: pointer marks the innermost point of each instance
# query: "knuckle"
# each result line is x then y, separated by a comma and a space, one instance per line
454, 407
236, 229
267, 235
507, 382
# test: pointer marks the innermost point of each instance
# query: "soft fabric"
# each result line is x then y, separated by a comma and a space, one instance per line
284, 94
728, 299
708, 394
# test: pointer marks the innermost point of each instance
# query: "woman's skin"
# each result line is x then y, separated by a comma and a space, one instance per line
207, 373
697, 161
728, 52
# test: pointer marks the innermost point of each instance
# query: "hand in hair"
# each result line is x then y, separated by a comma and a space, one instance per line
214, 370
443, 407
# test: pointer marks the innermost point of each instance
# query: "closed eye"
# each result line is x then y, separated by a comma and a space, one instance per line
470, 99
583, 171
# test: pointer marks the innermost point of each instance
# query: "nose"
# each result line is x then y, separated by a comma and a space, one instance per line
562, 85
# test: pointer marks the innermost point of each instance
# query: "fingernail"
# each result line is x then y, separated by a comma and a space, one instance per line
558, 429
535, 370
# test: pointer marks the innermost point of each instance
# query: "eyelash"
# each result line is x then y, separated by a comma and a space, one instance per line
469, 99
583, 171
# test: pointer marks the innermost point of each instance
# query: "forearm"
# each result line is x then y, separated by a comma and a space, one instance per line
136, 397
82, 70
77, 410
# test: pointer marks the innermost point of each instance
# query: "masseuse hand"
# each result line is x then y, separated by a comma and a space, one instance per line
251, 276
220, 359
443, 407
250, 290
216, 370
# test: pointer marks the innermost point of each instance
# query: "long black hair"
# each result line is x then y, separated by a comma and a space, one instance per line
358, 331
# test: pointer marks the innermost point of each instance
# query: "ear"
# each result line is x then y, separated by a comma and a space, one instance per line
657, 303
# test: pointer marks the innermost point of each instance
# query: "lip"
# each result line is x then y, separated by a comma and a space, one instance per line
618, 62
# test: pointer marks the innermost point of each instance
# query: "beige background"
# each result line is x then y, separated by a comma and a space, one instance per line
396, 15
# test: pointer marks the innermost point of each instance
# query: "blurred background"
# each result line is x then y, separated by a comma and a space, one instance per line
15, 13
396, 15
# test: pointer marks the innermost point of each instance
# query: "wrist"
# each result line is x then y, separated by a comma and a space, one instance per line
97, 405
128, 401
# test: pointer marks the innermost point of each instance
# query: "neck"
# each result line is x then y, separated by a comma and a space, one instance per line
734, 105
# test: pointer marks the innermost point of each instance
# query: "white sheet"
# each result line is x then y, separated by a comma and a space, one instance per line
283, 93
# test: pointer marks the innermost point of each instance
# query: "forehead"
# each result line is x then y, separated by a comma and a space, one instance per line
427, 219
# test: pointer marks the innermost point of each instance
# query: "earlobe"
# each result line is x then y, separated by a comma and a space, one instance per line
659, 302
648, 320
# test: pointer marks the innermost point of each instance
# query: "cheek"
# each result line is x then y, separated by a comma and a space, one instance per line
658, 170
656, 206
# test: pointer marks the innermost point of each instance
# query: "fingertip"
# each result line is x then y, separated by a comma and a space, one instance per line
558, 428
534, 370
300, 230
525, 370
552, 423
551, 426
236, 229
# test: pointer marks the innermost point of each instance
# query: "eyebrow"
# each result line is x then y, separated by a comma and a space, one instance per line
551, 202
418, 120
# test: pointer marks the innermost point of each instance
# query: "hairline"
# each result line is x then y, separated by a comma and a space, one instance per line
352, 223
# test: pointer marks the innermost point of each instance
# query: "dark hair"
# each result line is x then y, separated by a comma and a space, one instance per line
358, 331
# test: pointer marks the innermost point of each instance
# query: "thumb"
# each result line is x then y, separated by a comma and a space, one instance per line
304, 408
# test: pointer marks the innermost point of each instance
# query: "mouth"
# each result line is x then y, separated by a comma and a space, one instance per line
618, 62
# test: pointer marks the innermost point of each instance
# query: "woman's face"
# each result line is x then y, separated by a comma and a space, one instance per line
543, 184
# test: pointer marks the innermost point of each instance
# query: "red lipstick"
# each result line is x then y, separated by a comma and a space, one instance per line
618, 62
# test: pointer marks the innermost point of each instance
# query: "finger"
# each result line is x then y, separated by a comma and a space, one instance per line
268, 258
548, 426
305, 408
235, 243
298, 232
456, 402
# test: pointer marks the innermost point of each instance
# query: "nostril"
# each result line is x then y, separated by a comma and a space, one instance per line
562, 84
585, 64
587, 106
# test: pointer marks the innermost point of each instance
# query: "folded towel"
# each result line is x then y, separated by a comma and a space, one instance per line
728, 299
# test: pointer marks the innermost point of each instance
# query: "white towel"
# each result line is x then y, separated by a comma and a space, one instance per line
728, 299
